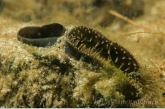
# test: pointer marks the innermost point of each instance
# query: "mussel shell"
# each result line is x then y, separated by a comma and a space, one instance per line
43, 36
31, 32
52, 30
40, 42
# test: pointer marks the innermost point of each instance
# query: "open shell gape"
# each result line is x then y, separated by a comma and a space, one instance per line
91, 43
83, 40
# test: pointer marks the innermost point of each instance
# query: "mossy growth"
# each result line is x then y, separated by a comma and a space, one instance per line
48, 77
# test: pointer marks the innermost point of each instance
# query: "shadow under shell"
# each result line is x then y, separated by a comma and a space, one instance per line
43, 36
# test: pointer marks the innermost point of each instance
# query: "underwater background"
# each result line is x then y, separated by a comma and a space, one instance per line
72, 71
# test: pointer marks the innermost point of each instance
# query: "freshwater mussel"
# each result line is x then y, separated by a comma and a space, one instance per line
43, 36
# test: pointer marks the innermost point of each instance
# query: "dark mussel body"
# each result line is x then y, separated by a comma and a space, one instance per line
89, 42
41, 36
